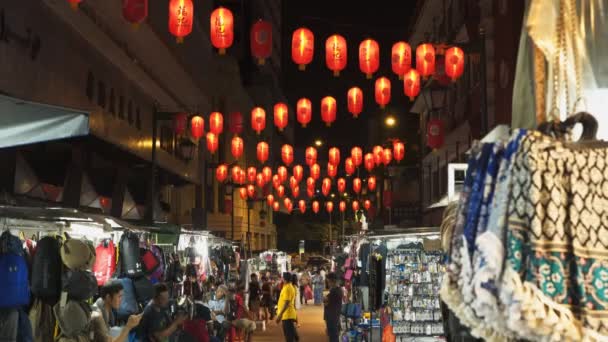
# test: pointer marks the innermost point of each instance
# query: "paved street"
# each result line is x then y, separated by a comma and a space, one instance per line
312, 327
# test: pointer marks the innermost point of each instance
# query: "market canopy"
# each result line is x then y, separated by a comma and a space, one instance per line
23, 122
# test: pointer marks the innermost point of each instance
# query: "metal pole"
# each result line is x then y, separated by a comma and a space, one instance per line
149, 215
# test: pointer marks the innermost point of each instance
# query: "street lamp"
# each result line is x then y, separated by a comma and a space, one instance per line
390, 121
318, 142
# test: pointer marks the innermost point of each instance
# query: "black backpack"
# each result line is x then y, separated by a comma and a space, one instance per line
130, 262
46, 270
79, 285
144, 290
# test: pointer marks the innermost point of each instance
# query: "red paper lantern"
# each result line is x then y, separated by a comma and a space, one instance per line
197, 127
368, 162
355, 101
282, 172
221, 173
334, 156
377, 152
383, 91
315, 171
281, 115
262, 151
371, 183
276, 206
341, 185
293, 182
349, 166
411, 84
261, 40
259, 180
315, 206
216, 123
251, 174
74, 3
302, 47
243, 193
179, 123
369, 57
310, 183
342, 206
280, 191
236, 147
310, 192
304, 110
276, 181
387, 156
267, 174
236, 123
357, 155
336, 53
287, 154
270, 200
329, 206
401, 58
135, 11
288, 204
367, 204
181, 15
242, 176
328, 110
235, 173
222, 29
398, 151
326, 186
295, 192
298, 172
332, 170
454, 63
355, 206
302, 205
435, 133
258, 120
357, 185
251, 191
311, 156
425, 60
212, 142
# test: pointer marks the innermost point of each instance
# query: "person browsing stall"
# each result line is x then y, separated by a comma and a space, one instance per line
333, 306
157, 325
103, 318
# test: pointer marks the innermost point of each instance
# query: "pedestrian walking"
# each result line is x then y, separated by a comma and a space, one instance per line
286, 309
333, 306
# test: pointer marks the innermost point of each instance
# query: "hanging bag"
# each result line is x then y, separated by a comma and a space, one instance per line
77, 254
14, 280
149, 260
144, 290
46, 270
105, 261
128, 304
79, 285
131, 265
159, 272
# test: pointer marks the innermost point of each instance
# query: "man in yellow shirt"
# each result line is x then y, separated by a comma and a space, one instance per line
286, 309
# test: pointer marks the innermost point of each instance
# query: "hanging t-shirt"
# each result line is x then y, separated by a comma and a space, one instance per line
363, 256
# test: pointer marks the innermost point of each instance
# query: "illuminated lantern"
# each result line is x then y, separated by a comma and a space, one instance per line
355, 101
401, 58
261, 40
315, 171
326, 186
267, 174
74, 3
259, 180
242, 176
425, 60
311, 156
310, 183
298, 172
243, 193
357, 185
295, 192
371, 183
302, 47
135, 11
310, 192
222, 29
221, 173
293, 182
328, 110
336, 53
179, 123
411, 84
270, 200
383, 91
235, 173
357, 155
288, 204
349, 166
369, 57
181, 18
281, 115
435, 133
212, 142
216, 123
332, 170
276, 181
454, 63
197, 127
368, 162
304, 110
387, 156
315, 207
280, 191
334, 156
342, 206
251, 191
251, 174
302, 205
329, 206
236, 147
236, 123
355, 206
287, 154
341, 185
367, 204
262, 151
258, 120
377, 151
398, 151
282, 172
276, 206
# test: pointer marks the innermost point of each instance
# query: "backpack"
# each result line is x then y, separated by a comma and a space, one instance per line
128, 246
160, 255
105, 261
79, 285
73, 319
149, 260
14, 287
128, 305
46, 270
9, 324
42, 321
10, 244
77, 254
25, 328
175, 272
144, 290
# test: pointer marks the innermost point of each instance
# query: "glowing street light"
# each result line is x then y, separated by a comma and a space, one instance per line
390, 121
318, 143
